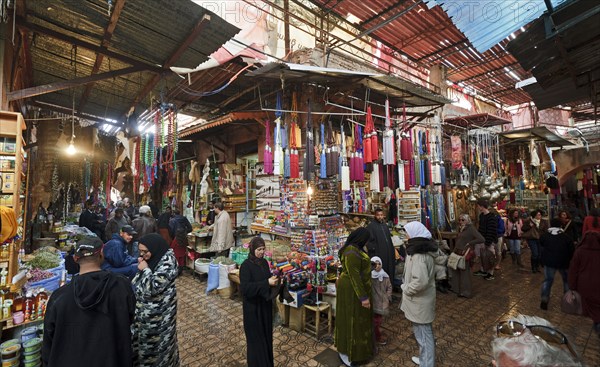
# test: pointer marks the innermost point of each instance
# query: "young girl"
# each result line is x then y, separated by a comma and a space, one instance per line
382, 296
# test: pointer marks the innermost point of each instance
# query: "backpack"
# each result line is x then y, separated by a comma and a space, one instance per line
501, 226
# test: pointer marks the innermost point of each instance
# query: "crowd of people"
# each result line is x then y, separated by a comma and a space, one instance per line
128, 291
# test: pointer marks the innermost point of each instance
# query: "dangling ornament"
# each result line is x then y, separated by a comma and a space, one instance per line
268, 154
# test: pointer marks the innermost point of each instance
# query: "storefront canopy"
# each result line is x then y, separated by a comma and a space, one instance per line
540, 133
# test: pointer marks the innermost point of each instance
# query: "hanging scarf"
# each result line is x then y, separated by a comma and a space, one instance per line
389, 154
344, 168
268, 154
309, 157
367, 138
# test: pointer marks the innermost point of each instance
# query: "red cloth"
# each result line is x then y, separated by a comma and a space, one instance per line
377, 319
584, 274
588, 225
164, 232
180, 252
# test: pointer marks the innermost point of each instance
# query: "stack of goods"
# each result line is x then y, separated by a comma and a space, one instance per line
11, 352
297, 240
265, 220
32, 347
355, 200
294, 201
239, 254
324, 200
46, 269
355, 222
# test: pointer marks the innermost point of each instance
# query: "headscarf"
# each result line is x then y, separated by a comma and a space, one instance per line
417, 229
378, 274
157, 246
255, 243
358, 238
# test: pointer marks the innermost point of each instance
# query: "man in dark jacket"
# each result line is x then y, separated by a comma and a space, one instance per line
488, 225
89, 220
114, 224
557, 251
116, 257
88, 321
380, 244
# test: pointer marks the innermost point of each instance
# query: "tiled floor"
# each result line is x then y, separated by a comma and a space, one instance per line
211, 334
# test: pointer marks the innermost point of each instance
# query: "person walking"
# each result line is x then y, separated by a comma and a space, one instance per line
591, 222
96, 306
380, 244
514, 228
468, 237
163, 224
354, 315
584, 276
557, 250
179, 227
418, 290
382, 297
256, 284
154, 327
488, 225
114, 225
533, 228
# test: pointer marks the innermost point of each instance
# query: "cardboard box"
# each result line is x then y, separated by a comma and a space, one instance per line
296, 319
298, 298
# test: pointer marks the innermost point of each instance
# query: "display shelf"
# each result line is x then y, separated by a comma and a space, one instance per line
271, 233
22, 324
8, 154
360, 214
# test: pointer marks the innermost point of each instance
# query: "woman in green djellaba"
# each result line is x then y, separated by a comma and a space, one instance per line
354, 315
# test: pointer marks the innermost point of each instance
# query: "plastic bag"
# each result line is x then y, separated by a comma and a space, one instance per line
213, 278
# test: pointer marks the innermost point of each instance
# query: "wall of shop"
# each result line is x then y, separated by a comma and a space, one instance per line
224, 141
574, 160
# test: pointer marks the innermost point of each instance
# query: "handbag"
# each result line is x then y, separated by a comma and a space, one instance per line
573, 307
457, 262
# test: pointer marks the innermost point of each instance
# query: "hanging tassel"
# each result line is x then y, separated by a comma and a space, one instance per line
323, 167
286, 164
375, 178
309, 162
267, 158
294, 140
374, 143
401, 176
345, 176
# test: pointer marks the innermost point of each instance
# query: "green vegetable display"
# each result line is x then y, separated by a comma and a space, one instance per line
45, 260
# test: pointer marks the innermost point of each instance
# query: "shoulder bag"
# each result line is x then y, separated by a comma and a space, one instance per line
458, 262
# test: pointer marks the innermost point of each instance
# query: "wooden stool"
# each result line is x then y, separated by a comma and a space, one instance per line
314, 322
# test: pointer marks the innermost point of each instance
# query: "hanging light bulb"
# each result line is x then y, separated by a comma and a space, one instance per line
309, 191
71, 148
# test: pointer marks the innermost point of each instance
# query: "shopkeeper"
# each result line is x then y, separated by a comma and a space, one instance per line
380, 244
222, 239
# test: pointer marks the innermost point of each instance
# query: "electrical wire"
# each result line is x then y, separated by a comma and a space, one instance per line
213, 92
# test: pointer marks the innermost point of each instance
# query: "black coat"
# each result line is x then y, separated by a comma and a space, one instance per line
88, 322
380, 244
557, 250
258, 312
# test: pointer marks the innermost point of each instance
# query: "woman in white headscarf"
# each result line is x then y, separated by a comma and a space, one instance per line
418, 290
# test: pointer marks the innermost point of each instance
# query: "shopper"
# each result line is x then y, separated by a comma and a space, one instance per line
256, 283
129, 208
154, 327
529, 341
500, 232
514, 228
145, 223
568, 226
222, 239
591, 222
89, 220
116, 257
380, 244
488, 225
557, 251
382, 297
468, 237
418, 290
115, 224
354, 315
163, 224
584, 276
179, 227
533, 228
210, 217
95, 307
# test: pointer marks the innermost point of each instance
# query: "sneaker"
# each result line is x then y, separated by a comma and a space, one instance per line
416, 360
480, 273
489, 277
544, 305
345, 360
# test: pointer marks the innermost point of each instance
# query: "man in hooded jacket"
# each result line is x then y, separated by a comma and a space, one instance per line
88, 321
418, 289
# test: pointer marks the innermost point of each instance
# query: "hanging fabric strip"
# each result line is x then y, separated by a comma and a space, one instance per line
268, 157
401, 176
309, 158
367, 138
389, 154
374, 183
323, 166
374, 141
278, 152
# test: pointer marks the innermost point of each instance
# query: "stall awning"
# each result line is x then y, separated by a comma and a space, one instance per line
540, 133
478, 121
248, 116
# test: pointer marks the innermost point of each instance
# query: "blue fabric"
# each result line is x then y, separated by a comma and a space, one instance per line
514, 246
549, 280
116, 258
213, 277
501, 227
534, 245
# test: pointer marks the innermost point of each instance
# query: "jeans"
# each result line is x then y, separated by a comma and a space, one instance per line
549, 279
534, 245
514, 246
424, 336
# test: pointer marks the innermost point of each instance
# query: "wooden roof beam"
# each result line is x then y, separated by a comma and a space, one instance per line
66, 84
108, 32
21, 23
69, 111
191, 37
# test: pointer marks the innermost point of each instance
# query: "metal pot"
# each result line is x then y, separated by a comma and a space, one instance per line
485, 194
472, 198
495, 196
487, 182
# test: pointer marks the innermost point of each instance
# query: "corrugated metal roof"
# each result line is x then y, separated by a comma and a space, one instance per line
429, 37
149, 31
487, 23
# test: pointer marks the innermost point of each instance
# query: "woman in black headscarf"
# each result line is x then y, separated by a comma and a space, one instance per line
354, 316
255, 285
155, 332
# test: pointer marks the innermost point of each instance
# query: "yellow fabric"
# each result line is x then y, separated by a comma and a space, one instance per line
9, 223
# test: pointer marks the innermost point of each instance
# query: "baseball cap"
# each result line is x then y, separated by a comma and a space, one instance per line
128, 229
88, 246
